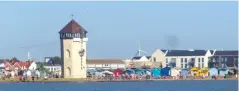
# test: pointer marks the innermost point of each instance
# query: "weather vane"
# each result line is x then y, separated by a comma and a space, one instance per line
72, 16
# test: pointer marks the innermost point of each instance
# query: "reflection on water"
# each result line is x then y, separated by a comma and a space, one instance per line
186, 85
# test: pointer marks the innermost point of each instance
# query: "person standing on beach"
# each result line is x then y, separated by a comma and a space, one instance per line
33, 78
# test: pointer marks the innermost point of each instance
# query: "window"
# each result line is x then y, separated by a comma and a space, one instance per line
154, 59
54, 69
181, 65
225, 60
216, 59
68, 53
181, 60
166, 60
185, 60
51, 69
202, 65
199, 65
202, 59
193, 59
186, 65
199, 60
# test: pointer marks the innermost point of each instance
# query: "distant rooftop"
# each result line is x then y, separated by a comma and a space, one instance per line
226, 52
190, 52
73, 27
138, 57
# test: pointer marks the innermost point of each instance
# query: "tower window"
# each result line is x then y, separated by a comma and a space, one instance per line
68, 53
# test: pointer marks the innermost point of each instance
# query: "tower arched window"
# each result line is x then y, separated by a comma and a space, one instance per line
68, 53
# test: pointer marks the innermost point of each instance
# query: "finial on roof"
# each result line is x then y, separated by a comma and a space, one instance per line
72, 16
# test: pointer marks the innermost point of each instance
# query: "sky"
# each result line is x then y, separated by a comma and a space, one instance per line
115, 27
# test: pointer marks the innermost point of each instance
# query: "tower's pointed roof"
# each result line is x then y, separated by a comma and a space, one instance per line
73, 27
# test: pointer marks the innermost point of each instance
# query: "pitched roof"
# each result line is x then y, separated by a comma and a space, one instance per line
104, 61
164, 51
186, 53
148, 57
73, 27
211, 51
227, 52
138, 57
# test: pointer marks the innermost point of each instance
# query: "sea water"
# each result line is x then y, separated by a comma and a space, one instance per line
178, 85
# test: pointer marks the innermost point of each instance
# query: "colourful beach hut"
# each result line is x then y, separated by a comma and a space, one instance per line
165, 71
140, 72
223, 72
194, 71
156, 72
118, 72
128, 71
213, 72
184, 72
91, 72
174, 72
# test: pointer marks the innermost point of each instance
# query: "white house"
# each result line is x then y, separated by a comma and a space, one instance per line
141, 59
186, 58
33, 66
105, 64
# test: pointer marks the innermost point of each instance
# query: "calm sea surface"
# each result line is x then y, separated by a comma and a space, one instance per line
219, 85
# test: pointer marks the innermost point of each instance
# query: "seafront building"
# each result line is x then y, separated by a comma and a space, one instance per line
105, 64
184, 59
73, 41
224, 59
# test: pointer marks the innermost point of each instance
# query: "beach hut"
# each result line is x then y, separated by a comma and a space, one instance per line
108, 72
117, 72
156, 72
184, 72
204, 72
223, 72
98, 74
194, 71
174, 72
213, 71
165, 71
128, 71
233, 71
91, 72
139, 72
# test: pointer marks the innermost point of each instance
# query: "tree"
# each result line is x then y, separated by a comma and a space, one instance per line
41, 68
14, 59
56, 60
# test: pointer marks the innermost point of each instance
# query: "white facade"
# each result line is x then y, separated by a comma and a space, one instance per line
33, 66
54, 68
105, 66
183, 61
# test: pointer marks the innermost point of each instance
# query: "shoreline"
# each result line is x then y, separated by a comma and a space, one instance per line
14, 80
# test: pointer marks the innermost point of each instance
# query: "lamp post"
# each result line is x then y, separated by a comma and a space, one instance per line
82, 52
